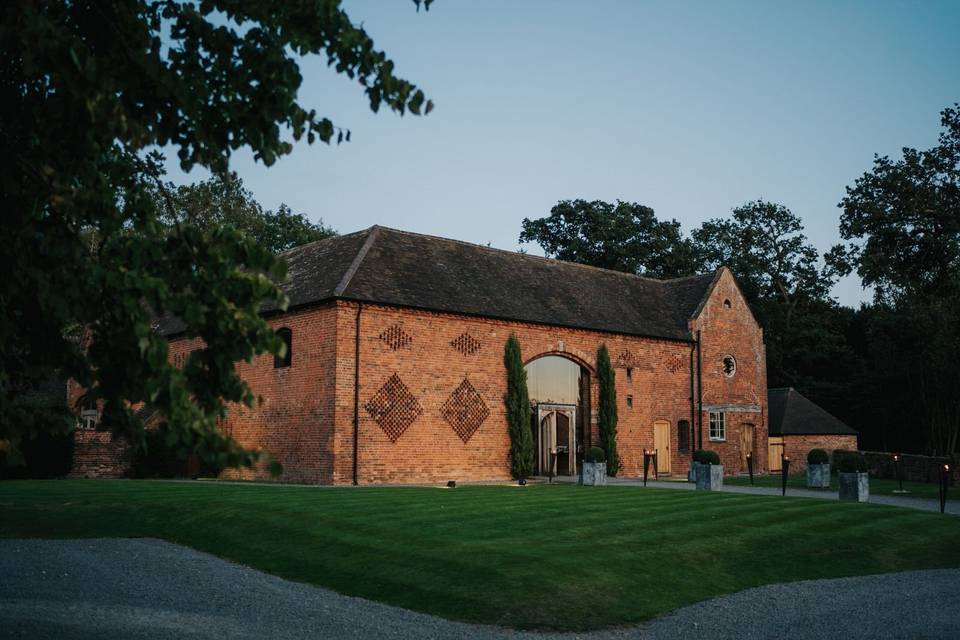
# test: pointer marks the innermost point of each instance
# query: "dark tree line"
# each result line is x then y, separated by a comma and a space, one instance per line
888, 368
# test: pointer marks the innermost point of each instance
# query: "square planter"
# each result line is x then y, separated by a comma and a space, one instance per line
818, 476
855, 486
594, 474
709, 477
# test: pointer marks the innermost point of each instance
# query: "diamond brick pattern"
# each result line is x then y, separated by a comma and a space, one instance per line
465, 410
465, 344
626, 359
674, 363
393, 407
396, 337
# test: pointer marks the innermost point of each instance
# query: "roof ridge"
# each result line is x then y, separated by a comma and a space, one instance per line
545, 258
332, 238
373, 232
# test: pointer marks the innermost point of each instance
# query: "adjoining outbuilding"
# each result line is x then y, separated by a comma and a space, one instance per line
797, 425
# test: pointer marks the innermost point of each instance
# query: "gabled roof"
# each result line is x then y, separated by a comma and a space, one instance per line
399, 268
793, 414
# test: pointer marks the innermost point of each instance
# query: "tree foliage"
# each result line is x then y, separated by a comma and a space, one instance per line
224, 201
89, 90
903, 221
785, 281
607, 414
902, 224
764, 245
623, 236
517, 402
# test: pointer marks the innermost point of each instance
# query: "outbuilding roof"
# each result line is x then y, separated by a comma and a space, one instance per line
790, 413
387, 266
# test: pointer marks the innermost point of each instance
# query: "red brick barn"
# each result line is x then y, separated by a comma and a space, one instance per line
395, 371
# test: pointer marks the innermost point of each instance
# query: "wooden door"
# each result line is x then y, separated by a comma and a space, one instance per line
774, 451
746, 444
661, 442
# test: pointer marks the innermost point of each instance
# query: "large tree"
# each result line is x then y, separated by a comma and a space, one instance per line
224, 201
625, 236
902, 221
902, 224
89, 89
764, 245
784, 279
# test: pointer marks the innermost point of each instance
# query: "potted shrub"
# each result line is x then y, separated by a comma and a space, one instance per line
707, 470
854, 480
818, 469
594, 467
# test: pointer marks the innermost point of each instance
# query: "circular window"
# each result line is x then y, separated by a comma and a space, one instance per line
729, 366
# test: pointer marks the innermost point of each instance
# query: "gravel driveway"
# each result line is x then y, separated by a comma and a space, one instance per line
115, 588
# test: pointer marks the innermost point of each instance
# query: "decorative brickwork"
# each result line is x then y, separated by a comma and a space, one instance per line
626, 359
465, 344
465, 410
674, 364
396, 337
393, 407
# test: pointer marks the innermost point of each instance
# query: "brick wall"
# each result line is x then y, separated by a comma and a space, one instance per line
423, 357
294, 421
797, 447
97, 455
914, 467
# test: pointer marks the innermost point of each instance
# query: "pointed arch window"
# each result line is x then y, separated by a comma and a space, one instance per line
281, 362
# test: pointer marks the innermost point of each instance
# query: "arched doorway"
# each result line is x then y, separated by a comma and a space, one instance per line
559, 390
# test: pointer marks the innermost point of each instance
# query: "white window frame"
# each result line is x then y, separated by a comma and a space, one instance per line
718, 426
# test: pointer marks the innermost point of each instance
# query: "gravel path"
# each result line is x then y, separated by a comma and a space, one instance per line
143, 588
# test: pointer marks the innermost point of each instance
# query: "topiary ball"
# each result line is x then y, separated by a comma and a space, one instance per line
705, 456
852, 463
595, 454
817, 456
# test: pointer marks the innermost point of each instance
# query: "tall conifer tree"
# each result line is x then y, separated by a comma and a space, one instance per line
517, 401
608, 409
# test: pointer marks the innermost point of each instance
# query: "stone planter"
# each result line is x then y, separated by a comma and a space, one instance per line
594, 474
709, 477
818, 476
855, 487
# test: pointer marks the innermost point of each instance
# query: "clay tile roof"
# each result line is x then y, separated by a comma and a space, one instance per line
387, 266
793, 414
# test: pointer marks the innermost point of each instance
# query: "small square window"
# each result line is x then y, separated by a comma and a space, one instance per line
718, 428
630, 401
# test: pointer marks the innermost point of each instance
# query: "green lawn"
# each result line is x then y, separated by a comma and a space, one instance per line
550, 557
878, 486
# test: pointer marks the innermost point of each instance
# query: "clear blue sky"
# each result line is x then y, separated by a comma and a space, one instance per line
691, 108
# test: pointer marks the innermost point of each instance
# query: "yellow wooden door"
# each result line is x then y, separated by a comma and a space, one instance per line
774, 450
746, 444
661, 442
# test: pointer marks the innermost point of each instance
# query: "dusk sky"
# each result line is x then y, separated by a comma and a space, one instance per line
690, 108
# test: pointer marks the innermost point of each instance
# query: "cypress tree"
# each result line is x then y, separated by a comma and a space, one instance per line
608, 409
517, 401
